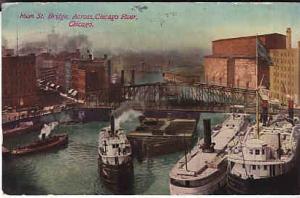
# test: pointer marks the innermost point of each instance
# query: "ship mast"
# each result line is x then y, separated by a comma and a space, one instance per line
257, 95
17, 51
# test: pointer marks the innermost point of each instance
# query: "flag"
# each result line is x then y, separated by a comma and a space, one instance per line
262, 52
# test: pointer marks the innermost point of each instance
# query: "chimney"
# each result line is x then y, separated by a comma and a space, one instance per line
77, 53
122, 78
105, 57
109, 71
288, 38
132, 77
291, 109
112, 124
207, 147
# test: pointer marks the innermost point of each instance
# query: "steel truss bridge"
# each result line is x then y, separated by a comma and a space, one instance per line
160, 96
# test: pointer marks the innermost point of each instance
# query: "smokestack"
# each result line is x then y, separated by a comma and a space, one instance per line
122, 77
112, 124
288, 38
132, 77
264, 113
109, 71
279, 146
208, 147
43, 136
291, 109
105, 57
77, 53
90, 55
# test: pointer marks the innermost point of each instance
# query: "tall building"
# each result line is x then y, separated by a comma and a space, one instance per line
56, 68
88, 76
285, 72
233, 60
19, 81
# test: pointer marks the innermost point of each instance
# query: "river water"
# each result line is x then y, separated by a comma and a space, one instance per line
73, 170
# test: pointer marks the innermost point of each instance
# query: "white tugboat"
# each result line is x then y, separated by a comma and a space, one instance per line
115, 158
203, 170
264, 162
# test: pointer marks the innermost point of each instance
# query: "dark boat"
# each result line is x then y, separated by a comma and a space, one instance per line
42, 145
22, 128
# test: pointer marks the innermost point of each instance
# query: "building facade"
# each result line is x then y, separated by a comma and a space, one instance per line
88, 76
56, 68
233, 61
19, 81
285, 73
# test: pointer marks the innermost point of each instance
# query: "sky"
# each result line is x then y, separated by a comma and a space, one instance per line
160, 26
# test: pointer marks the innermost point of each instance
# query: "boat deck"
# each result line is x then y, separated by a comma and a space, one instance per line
201, 164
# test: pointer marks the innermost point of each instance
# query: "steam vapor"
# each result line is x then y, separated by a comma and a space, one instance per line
127, 116
47, 129
126, 113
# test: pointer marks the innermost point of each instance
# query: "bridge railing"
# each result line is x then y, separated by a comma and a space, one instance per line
171, 95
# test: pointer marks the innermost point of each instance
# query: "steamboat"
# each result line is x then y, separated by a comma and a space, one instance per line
45, 142
115, 158
203, 170
264, 161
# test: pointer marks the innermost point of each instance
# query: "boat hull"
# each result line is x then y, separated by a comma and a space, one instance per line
117, 178
213, 187
282, 184
62, 141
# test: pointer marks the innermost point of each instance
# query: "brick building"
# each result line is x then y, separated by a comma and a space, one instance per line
88, 76
19, 81
56, 68
233, 60
285, 72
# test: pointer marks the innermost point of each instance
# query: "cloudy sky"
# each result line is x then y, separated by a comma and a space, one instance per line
160, 26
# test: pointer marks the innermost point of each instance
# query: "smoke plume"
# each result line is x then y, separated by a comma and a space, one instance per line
126, 113
127, 116
76, 42
47, 129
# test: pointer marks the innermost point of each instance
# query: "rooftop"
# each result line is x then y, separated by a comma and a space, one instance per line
249, 37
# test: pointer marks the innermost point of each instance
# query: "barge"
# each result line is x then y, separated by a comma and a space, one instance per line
157, 136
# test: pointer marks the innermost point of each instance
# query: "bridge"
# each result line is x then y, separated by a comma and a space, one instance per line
143, 68
171, 96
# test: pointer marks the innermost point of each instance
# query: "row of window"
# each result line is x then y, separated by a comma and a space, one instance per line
257, 152
254, 167
283, 61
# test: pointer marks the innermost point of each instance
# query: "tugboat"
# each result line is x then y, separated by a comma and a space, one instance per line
264, 161
45, 142
203, 170
115, 158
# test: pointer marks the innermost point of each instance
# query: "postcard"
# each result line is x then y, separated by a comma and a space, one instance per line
150, 98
